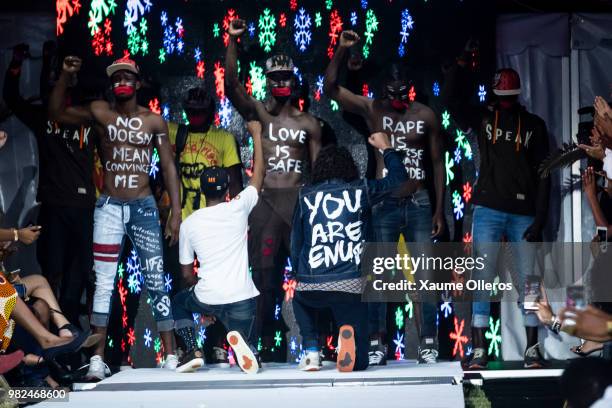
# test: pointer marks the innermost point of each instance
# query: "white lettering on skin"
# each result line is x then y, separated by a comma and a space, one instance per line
281, 161
400, 134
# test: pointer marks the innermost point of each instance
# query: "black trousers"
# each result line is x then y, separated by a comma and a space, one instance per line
347, 308
65, 253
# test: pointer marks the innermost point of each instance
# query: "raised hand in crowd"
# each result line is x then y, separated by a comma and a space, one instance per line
588, 182
590, 323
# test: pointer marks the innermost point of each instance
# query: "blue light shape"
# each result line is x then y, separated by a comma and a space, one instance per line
251, 29
482, 93
302, 24
197, 54
364, 4
436, 88
353, 18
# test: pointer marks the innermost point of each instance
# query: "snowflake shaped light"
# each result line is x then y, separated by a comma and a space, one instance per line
409, 309
293, 344
436, 88
147, 338
467, 238
225, 112
277, 312
353, 18
267, 35
133, 263
219, 74
168, 282
251, 29
364, 4
371, 28
446, 308
64, 10
457, 205
399, 345
457, 155
302, 34
459, 338
120, 270
134, 10
277, 339
165, 112
468, 151
293, 5
334, 105
98, 11
258, 82
494, 337
131, 337
399, 317
231, 15
202, 334
445, 119
448, 165
282, 20
329, 4
164, 18
289, 288
200, 69
197, 54
467, 192
401, 50
157, 345
154, 168
318, 19
411, 94
133, 284
154, 106
482, 93
407, 25
335, 28
216, 30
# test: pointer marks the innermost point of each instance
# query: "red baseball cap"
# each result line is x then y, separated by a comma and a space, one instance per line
124, 63
506, 82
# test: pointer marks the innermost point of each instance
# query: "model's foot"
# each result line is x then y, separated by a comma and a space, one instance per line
191, 362
245, 357
479, 359
310, 361
428, 351
377, 356
220, 357
587, 348
170, 362
533, 357
346, 349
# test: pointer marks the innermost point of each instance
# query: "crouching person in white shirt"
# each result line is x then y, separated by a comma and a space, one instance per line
223, 288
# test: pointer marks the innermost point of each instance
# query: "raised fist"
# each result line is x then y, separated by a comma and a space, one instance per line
236, 27
348, 38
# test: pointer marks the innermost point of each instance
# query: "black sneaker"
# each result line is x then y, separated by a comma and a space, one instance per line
377, 356
428, 351
479, 359
191, 362
219, 357
533, 357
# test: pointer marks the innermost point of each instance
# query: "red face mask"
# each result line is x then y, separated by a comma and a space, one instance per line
505, 104
399, 105
123, 91
196, 120
281, 91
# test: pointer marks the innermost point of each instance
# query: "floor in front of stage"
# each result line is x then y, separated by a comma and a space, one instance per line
399, 384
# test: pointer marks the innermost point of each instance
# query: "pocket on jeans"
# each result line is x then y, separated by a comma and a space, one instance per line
421, 200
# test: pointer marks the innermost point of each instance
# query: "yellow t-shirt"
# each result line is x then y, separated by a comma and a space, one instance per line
213, 148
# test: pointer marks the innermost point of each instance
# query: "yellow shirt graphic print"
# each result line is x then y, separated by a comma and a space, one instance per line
213, 148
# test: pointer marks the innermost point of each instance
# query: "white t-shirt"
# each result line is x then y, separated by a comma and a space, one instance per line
218, 236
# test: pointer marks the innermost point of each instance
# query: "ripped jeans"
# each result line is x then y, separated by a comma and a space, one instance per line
137, 219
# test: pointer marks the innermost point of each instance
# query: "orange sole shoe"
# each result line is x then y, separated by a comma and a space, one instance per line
244, 356
346, 352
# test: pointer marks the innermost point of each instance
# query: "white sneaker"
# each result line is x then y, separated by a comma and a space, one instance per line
98, 370
171, 362
310, 361
243, 354
220, 357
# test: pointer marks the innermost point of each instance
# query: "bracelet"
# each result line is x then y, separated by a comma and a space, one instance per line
555, 326
15, 234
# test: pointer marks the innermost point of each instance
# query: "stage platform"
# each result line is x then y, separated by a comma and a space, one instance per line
399, 384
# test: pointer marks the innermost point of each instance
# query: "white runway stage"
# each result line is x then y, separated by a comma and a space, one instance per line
399, 384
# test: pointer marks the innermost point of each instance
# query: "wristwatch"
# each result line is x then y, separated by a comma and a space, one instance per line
15, 234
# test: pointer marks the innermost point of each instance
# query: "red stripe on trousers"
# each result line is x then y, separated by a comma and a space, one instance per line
107, 248
106, 258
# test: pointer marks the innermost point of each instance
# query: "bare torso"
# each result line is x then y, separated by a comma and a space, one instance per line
126, 150
408, 132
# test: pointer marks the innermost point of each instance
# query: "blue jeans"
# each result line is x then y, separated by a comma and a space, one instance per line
412, 218
239, 316
488, 226
138, 220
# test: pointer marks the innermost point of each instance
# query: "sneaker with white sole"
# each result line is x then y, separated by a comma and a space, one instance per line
171, 362
428, 351
310, 361
377, 356
191, 362
242, 353
97, 370
479, 359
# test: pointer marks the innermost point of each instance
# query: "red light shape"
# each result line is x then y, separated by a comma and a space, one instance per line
365, 90
301, 104
249, 86
217, 119
231, 15
459, 338
219, 79
200, 69
335, 27
411, 94
317, 95
154, 106
282, 20
467, 192
293, 5
289, 288
131, 336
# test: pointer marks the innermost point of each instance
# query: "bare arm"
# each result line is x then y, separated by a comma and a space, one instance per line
349, 101
590, 188
171, 180
235, 186
188, 277
234, 90
73, 115
435, 143
259, 171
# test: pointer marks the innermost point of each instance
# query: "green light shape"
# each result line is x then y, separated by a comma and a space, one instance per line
110, 342
409, 309
120, 270
334, 105
267, 35
144, 47
199, 342
216, 30
371, 27
143, 26
157, 345
258, 81
185, 120
277, 339
133, 41
399, 318
259, 346
329, 4
318, 19
460, 138
445, 119
494, 336
449, 162
162, 56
